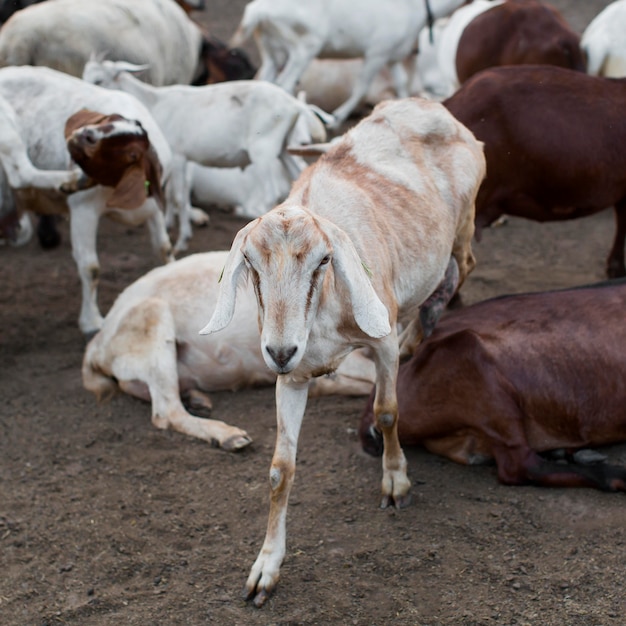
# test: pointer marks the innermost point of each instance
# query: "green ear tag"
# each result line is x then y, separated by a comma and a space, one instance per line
368, 271
219, 280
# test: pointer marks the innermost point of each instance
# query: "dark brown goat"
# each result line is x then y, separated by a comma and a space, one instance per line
517, 376
518, 32
554, 145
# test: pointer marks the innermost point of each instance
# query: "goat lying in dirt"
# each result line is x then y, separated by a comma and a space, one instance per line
150, 348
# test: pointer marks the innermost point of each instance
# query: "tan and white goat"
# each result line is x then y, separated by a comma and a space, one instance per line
149, 347
380, 225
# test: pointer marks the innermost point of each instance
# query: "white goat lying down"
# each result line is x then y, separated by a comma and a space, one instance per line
149, 346
290, 33
64, 34
230, 124
231, 188
377, 231
604, 43
43, 99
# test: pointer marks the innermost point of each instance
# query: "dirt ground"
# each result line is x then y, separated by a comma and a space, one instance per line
106, 521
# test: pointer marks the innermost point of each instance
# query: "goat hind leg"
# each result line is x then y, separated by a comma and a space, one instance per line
430, 312
615, 267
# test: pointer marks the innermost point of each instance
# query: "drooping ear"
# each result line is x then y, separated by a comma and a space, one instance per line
84, 117
369, 312
131, 191
229, 280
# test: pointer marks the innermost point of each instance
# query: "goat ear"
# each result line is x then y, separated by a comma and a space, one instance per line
369, 312
84, 117
130, 192
229, 279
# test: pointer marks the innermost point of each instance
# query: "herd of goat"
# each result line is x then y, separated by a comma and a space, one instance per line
480, 109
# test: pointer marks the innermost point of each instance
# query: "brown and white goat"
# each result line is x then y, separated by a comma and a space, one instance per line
553, 141
149, 347
368, 233
532, 373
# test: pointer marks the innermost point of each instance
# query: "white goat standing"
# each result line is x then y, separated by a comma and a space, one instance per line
290, 33
230, 124
19, 173
43, 99
604, 42
365, 237
149, 346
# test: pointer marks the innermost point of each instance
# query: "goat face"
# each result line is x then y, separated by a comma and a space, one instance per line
116, 152
290, 254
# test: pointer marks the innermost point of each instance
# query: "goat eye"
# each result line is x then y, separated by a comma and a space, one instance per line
325, 260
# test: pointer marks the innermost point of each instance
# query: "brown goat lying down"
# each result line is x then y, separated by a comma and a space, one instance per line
554, 145
517, 376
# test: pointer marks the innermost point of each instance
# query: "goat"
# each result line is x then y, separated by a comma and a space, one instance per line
483, 33
289, 34
230, 124
43, 99
532, 373
603, 42
149, 347
511, 32
65, 34
381, 223
550, 135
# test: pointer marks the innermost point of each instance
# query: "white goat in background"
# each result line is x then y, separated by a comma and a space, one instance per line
149, 347
43, 99
291, 33
230, 124
65, 34
380, 225
604, 42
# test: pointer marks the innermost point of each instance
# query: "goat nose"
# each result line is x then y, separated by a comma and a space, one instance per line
281, 356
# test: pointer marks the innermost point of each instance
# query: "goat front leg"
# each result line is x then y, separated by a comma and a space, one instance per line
400, 79
395, 483
291, 401
161, 244
84, 218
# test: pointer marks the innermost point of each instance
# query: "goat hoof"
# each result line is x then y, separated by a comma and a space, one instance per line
236, 442
261, 598
399, 502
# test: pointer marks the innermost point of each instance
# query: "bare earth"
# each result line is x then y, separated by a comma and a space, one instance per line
106, 521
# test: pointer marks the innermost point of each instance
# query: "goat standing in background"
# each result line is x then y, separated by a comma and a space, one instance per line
378, 227
291, 33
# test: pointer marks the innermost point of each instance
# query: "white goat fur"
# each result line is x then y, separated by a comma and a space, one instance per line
18, 172
231, 188
231, 124
604, 42
394, 197
65, 34
290, 33
43, 99
149, 345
